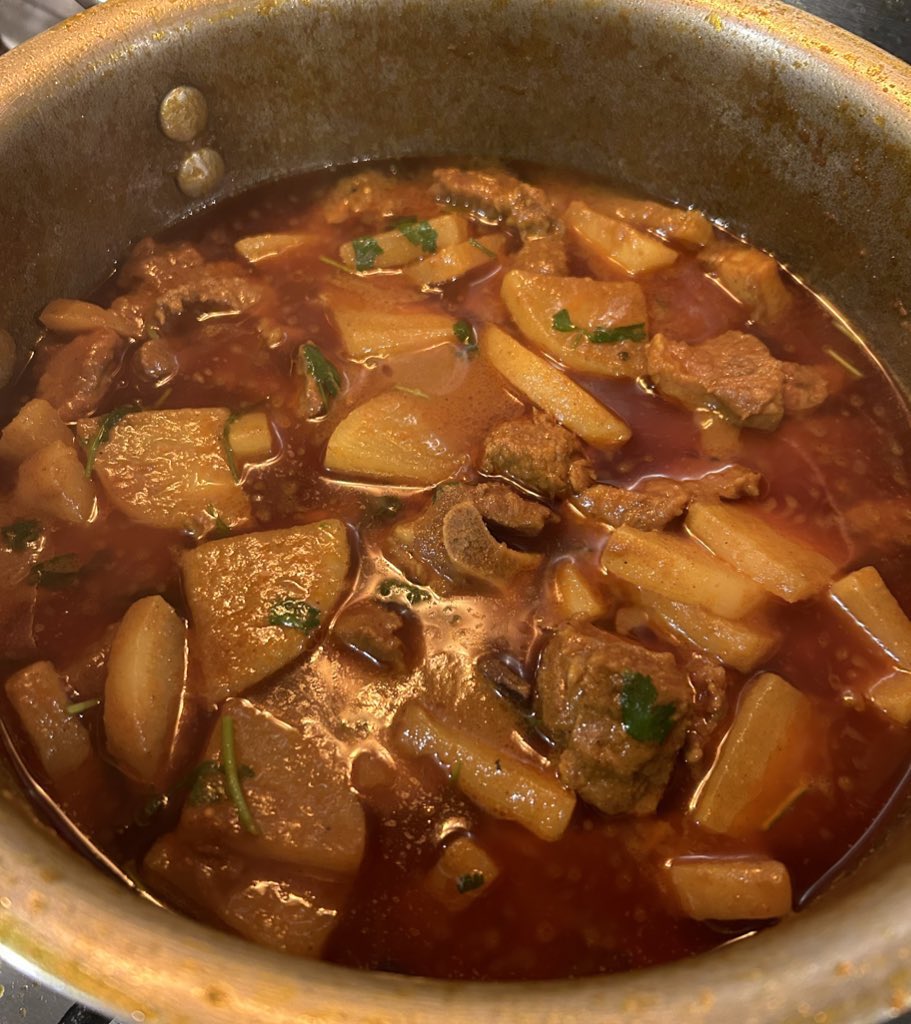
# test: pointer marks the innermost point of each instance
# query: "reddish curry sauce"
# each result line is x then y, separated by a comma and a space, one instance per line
595, 900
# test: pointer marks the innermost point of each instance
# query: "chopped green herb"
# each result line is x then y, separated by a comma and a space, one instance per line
412, 391
206, 783
467, 883
20, 533
840, 359
465, 336
233, 778
228, 450
82, 705
335, 263
291, 613
221, 528
455, 772
382, 506
419, 233
614, 335
562, 322
366, 251
483, 248
311, 361
399, 588
101, 435
642, 718
55, 573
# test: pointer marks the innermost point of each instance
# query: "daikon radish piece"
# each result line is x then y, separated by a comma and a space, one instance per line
462, 873
892, 695
456, 260
35, 426
250, 438
731, 888
680, 569
52, 483
575, 596
607, 238
867, 599
550, 389
404, 244
72, 316
375, 333
780, 564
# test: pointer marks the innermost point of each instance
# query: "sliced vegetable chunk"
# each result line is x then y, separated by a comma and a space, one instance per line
52, 483
553, 391
731, 888
611, 240
780, 564
603, 329
145, 676
250, 438
35, 426
165, 468
456, 260
408, 242
463, 872
866, 598
376, 333
499, 782
253, 600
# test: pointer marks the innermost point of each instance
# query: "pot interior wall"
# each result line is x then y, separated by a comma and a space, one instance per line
775, 135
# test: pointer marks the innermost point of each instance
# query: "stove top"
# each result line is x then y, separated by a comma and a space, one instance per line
884, 22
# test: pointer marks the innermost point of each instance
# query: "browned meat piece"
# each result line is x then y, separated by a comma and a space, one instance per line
500, 504
495, 197
651, 507
17, 604
373, 629
658, 500
545, 255
734, 374
730, 483
79, 373
448, 543
166, 280
373, 197
709, 681
618, 713
881, 524
503, 679
537, 454
156, 360
751, 276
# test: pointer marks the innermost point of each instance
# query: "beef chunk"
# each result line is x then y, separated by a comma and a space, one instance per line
736, 375
495, 197
538, 454
78, 374
166, 280
751, 276
657, 501
584, 699
651, 507
449, 542
545, 255
709, 681
373, 629
506, 681
372, 197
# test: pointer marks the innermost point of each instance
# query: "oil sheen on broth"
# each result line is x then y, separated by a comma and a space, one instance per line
458, 572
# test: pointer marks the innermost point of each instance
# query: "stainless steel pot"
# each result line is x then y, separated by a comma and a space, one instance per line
769, 120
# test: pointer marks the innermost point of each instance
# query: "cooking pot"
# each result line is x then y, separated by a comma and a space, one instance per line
772, 122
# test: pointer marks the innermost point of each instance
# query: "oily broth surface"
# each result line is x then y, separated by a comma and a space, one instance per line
593, 901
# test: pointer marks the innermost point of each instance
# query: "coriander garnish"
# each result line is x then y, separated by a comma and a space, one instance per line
470, 881
55, 573
220, 528
419, 233
101, 435
291, 613
642, 718
232, 777
465, 336
412, 391
228, 450
563, 323
483, 248
82, 705
335, 263
328, 381
20, 533
366, 251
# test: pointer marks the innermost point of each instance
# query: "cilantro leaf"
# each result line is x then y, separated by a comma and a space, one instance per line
366, 251
399, 588
382, 506
311, 361
220, 527
467, 883
55, 573
103, 433
206, 783
642, 718
232, 774
465, 336
291, 613
419, 233
482, 248
614, 335
562, 322
228, 449
82, 705
20, 533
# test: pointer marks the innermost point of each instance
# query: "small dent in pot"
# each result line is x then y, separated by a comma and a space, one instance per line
200, 173
183, 113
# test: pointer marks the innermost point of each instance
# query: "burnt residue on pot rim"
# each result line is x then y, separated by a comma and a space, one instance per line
766, 118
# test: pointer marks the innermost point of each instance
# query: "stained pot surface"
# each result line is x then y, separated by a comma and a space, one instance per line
767, 119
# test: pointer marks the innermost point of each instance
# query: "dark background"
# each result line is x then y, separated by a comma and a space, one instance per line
885, 22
